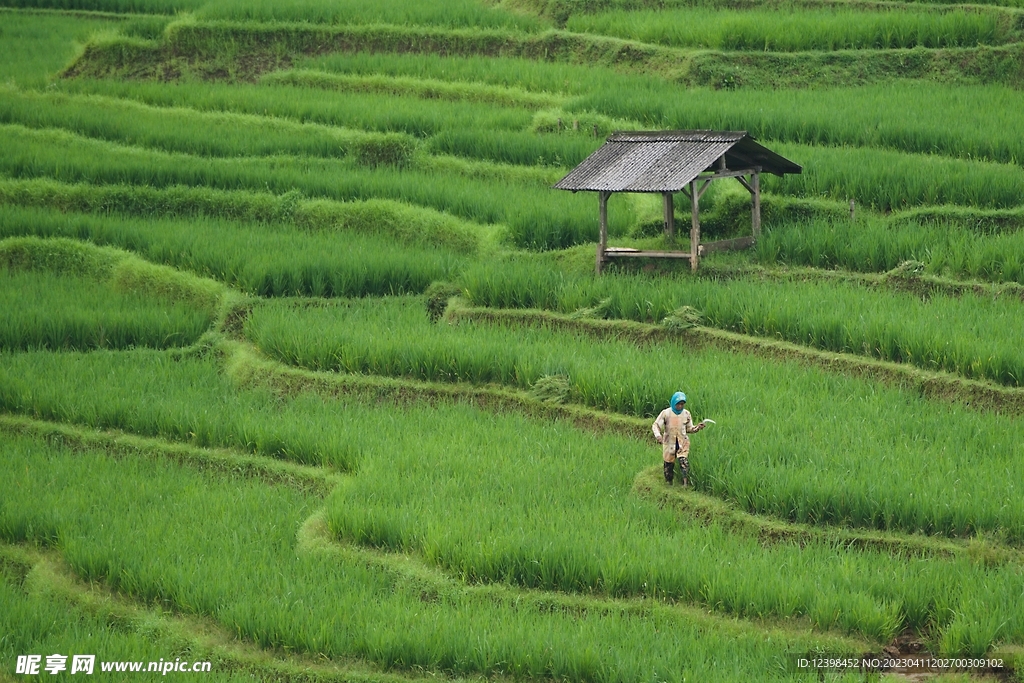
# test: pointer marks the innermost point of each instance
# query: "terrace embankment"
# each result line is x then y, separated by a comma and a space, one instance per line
400, 222
688, 502
508, 523
241, 51
937, 385
406, 585
62, 294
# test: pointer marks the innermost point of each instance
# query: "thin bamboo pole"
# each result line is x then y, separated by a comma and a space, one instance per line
670, 216
694, 225
756, 199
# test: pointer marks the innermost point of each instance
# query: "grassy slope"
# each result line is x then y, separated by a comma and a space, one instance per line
410, 525
197, 49
194, 505
31, 50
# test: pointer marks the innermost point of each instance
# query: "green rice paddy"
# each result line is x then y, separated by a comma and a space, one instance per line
305, 373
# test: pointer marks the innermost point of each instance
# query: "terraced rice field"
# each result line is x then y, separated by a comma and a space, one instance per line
305, 373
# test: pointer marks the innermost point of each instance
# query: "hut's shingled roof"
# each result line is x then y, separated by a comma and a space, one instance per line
666, 161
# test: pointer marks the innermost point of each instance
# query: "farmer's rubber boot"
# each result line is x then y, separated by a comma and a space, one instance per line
670, 471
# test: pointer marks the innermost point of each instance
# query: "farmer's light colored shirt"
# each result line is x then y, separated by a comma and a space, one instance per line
671, 429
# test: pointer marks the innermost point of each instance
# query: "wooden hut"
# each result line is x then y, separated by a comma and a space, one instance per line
673, 161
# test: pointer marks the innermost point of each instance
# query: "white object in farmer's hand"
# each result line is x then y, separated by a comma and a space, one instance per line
708, 421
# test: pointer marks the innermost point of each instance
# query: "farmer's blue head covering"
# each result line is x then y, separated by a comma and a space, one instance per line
676, 398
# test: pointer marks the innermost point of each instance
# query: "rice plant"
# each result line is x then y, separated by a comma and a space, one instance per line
514, 147
39, 616
449, 13
911, 116
367, 111
223, 548
616, 375
200, 133
973, 336
361, 173
45, 310
535, 217
890, 180
565, 8
273, 260
875, 245
424, 88
402, 223
537, 505
468, 136
800, 28
33, 47
140, 6
550, 79
155, 394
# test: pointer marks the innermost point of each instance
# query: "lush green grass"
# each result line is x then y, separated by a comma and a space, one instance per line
536, 217
402, 223
448, 13
37, 618
186, 399
799, 28
553, 79
114, 267
974, 336
64, 295
882, 178
233, 559
59, 294
498, 498
33, 47
826, 461
245, 50
888, 180
268, 260
117, 6
373, 111
909, 115
467, 131
423, 88
591, 534
201, 133
983, 221
517, 147
874, 245
518, 490
562, 10
47, 310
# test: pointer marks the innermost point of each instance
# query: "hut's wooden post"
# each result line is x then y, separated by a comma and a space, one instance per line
670, 216
694, 225
602, 242
755, 199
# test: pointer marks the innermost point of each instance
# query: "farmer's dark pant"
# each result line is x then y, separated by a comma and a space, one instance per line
684, 468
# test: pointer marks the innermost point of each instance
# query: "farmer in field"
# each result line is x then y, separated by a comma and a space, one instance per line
672, 430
